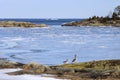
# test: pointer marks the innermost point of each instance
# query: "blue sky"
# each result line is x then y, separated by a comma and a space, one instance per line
55, 8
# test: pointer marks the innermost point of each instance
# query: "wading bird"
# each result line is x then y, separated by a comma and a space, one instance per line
74, 59
65, 61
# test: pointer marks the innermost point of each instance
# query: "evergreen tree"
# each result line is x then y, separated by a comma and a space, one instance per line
115, 16
117, 10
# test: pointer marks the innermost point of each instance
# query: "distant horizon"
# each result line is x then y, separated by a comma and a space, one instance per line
43, 18
56, 9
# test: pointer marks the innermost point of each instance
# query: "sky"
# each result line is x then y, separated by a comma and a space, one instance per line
56, 8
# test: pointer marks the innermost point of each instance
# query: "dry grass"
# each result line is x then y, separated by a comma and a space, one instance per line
99, 65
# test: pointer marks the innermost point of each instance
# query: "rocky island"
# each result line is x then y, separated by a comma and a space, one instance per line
111, 20
20, 24
95, 21
94, 70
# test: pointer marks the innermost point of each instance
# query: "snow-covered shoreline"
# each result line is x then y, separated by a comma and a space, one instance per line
4, 76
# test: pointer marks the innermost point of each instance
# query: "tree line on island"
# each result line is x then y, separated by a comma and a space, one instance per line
114, 17
111, 20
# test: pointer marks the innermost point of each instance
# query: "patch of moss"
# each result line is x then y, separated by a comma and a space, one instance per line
100, 65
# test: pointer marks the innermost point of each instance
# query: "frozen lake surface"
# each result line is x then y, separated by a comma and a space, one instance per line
54, 44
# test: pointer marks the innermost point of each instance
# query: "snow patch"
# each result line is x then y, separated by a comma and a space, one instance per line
4, 76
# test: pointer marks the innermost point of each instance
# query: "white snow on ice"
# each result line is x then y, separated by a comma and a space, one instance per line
4, 76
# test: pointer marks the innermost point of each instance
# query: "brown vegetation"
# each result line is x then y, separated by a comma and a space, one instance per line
105, 69
20, 24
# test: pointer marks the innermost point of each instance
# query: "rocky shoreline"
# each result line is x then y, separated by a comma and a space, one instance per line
93, 22
113, 20
20, 24
104, 69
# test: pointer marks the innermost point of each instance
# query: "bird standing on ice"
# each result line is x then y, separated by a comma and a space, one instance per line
74, 59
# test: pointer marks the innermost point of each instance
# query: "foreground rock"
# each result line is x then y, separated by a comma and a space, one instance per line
106, 69
20, 24
32, 68
4, 63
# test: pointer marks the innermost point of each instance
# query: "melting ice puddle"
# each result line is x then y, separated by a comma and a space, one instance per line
4, 76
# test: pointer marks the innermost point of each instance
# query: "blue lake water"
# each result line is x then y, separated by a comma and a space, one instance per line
54, 44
